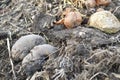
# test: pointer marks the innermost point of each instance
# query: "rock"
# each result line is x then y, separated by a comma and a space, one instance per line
38, 51
105, 21
24, 44
36, 58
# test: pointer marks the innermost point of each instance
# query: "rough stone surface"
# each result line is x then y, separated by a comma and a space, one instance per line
39, 51
24, 44
105, 21
36, 58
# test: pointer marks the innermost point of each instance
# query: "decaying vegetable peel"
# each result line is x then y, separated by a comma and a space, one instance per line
103, 2
72, 18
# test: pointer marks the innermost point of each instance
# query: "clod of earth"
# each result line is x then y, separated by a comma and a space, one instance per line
72, 18
105, 21
24, 44
38, 55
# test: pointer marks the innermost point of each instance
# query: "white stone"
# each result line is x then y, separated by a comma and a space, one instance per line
105, 21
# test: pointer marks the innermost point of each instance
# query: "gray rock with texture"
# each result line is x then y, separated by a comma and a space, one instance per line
35, 59
24, 44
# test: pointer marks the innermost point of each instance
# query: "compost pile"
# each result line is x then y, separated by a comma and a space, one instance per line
82, 52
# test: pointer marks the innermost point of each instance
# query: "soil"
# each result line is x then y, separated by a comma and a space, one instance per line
85, 53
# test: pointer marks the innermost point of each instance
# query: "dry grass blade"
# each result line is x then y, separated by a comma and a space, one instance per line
12, 65
116, 75
59, 74
43, 74
98, 74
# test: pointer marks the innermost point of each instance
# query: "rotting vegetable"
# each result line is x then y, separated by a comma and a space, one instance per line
72, 18
103, 2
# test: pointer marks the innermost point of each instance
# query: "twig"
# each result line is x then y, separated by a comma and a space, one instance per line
12, 65
116, 75
43, 74
58, 74
116, 9
98, 53
98, 74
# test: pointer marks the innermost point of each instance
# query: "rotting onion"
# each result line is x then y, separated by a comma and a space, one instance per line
71, 19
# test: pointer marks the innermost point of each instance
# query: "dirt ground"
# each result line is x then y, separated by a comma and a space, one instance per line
85, 53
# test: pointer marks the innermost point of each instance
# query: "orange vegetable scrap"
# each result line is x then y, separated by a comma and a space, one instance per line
93, 3
72, 18
103, 2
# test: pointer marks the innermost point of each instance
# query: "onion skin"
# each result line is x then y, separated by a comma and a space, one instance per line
103, 2
71, 19
90, 3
